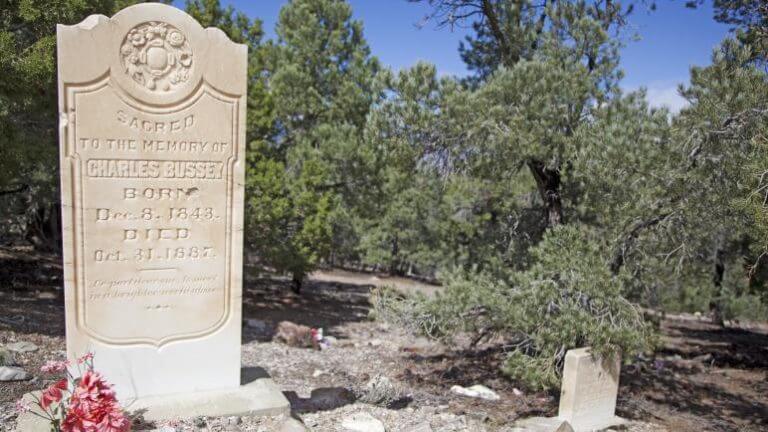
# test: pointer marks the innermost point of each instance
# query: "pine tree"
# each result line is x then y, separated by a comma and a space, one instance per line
29, 114
321, 81
566, 35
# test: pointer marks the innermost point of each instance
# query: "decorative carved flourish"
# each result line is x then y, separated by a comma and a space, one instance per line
156, 55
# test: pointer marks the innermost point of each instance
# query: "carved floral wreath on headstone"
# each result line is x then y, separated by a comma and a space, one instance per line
156, 55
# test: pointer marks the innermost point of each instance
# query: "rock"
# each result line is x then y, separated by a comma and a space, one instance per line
7, 358
259, 325
422, 427
8, 373
327, 398
22, 347
47, 295
362, 422
517, 392
382, 391
294, 334
292, 425
476, 391
543, 424
317, 373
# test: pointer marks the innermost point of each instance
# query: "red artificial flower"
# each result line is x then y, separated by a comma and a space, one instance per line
94, 408
76, 420
53, 393
55, 366
113, 420
85, 358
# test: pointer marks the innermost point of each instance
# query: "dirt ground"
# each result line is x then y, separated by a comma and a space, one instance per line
703, 378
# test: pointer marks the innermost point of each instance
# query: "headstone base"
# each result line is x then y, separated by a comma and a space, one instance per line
260, 397
557, 424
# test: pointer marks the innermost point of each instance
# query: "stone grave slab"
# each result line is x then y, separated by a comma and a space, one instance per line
588, 395
152, 140
589, 390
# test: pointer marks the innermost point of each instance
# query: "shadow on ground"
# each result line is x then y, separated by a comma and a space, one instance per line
320, 304
704, 378
31, 292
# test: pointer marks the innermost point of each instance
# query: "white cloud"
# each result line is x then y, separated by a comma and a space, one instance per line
667, 96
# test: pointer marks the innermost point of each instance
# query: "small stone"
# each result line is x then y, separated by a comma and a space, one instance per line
422, 427
317, 373
22, 347
375, 342
7, 358
517, 392
293, 334
235, 420
476, 391
380, 390
8, 373
362, 422
331, 397
257, 324
47, 295
292, 425
543, 424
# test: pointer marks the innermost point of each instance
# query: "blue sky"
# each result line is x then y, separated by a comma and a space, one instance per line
671, 39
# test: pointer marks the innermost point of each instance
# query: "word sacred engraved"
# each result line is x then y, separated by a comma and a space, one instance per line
138, 123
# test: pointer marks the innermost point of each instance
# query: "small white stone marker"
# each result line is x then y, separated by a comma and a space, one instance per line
589, 390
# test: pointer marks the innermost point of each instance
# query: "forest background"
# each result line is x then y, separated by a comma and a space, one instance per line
551, 204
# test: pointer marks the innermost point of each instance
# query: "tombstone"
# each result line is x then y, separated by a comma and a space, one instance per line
589, 390
587, 396
152, 139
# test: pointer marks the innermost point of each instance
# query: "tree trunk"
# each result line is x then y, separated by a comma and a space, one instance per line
296, 283
43, 227
394, 261
715, 305
621, 253
548, 183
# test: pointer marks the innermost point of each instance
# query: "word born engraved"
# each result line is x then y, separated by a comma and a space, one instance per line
156, 55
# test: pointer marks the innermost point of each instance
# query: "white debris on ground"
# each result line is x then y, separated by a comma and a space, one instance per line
476, 391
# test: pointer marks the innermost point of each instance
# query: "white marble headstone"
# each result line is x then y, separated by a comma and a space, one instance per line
589, 390
152, 124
